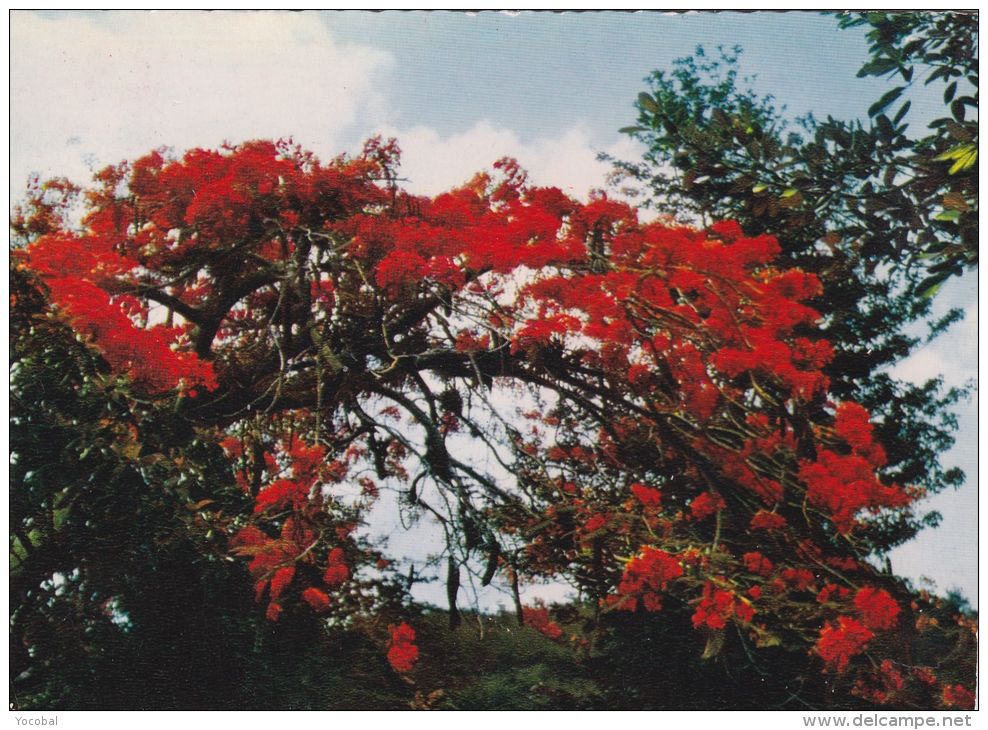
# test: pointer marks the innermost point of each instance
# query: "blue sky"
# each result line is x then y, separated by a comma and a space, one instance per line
459, 91
537, 71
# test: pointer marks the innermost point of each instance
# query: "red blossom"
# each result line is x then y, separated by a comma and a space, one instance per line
853, 424
707, 504
767, 521
758, 564
718, 606
250, 536
233, 446
838, 644
956, 696
891, 676
645, 576
800, 579
318, 600
280, 494
281, 580
878, 610
844, 485
831, 592
537, 617
403, 653
744, 611
648, 496
337, 573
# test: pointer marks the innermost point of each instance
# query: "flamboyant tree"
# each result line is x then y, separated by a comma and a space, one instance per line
640, 409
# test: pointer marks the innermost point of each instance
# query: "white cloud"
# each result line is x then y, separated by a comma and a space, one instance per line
433, 163
102, 87
953, 355
92, 89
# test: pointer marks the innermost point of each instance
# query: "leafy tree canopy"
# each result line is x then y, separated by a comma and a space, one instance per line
882, 216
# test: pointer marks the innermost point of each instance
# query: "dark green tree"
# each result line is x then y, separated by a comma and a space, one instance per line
881, 215
121, 594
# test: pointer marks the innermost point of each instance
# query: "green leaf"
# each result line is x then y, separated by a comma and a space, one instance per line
902, 112
759, 188
59, 516
877, 67
947, 215
632, 130
948, 93
885, 127
958, 110
646, 102
715, 642
887, 98
941, 72
929, 288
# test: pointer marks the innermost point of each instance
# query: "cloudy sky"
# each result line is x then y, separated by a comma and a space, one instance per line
459, 91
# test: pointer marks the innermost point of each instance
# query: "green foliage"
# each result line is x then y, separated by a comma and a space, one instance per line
113, 580
939, 171
875, 213
740, 678
492, 663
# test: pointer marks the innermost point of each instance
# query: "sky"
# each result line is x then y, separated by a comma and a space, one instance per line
459, 91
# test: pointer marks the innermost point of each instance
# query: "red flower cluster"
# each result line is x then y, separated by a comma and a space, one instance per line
885, 684
280, 494
645, 576
403, 653
800, 579
274, 562
956, 696
337, 573
537, 617
853, 424
316, 599
280, 581
831, 592
144, 355
718, 606
846, 484
707, 504
837, 645
878, 610
767, 521
648, 496
758, 564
